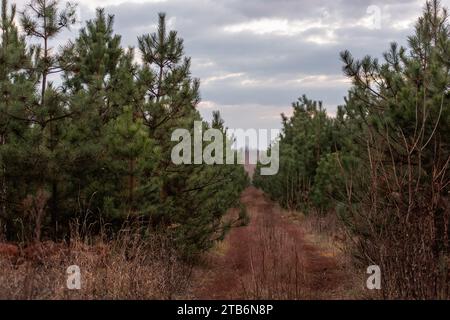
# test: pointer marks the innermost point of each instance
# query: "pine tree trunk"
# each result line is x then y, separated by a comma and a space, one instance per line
4, 189
54, 209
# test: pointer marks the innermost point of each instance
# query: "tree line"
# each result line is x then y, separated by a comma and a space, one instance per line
85, 132
382, 163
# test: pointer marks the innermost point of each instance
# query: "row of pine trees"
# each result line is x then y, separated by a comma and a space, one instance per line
382, 164
85, 132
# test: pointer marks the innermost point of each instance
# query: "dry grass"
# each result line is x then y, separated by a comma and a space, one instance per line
327, 233
277, 270
130, 266
302, 257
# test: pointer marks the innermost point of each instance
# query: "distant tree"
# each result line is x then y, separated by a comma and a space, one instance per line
305, 138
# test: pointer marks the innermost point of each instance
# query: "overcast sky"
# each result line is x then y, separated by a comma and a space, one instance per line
255, 57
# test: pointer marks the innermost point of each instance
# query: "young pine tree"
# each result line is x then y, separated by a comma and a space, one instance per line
17, 96
192, 198
401, 202
43, 20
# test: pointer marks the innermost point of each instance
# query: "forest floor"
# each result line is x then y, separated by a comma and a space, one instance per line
274, 257
277, 255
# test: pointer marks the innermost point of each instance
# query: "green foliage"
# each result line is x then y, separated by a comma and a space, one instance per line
399, 198
306, 137
383, 163
243, 218
325, 181
99, 145
16, 89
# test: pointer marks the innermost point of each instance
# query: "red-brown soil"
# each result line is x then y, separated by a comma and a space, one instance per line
268, 259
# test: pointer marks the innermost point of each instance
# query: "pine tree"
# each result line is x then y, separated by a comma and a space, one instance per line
16, 88
92, 67
402, 106
306, 137
131, 156
192, 198
97, 146
43, 21
98, 76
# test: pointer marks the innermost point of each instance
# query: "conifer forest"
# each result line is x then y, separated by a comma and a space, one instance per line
115, 164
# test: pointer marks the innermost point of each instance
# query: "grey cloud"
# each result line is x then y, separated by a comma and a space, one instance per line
272, 61
268, 56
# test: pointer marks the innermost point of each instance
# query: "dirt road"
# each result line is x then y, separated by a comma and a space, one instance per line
270, 258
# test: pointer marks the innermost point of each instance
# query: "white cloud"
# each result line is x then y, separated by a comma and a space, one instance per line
322, 81
323, 28
202, 63
276, 81
207, 105
209, 80
282, 27
92, 4
103, 3
255, 57
262, 116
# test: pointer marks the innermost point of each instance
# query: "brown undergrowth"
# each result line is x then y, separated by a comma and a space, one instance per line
129, 266
279, 255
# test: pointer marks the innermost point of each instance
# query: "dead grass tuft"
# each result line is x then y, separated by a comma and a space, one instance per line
132, 265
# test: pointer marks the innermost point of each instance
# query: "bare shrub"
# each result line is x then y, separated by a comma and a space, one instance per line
277, 268
327, 232
132, 265
34, 208
405, 232
397, 209
398, 217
